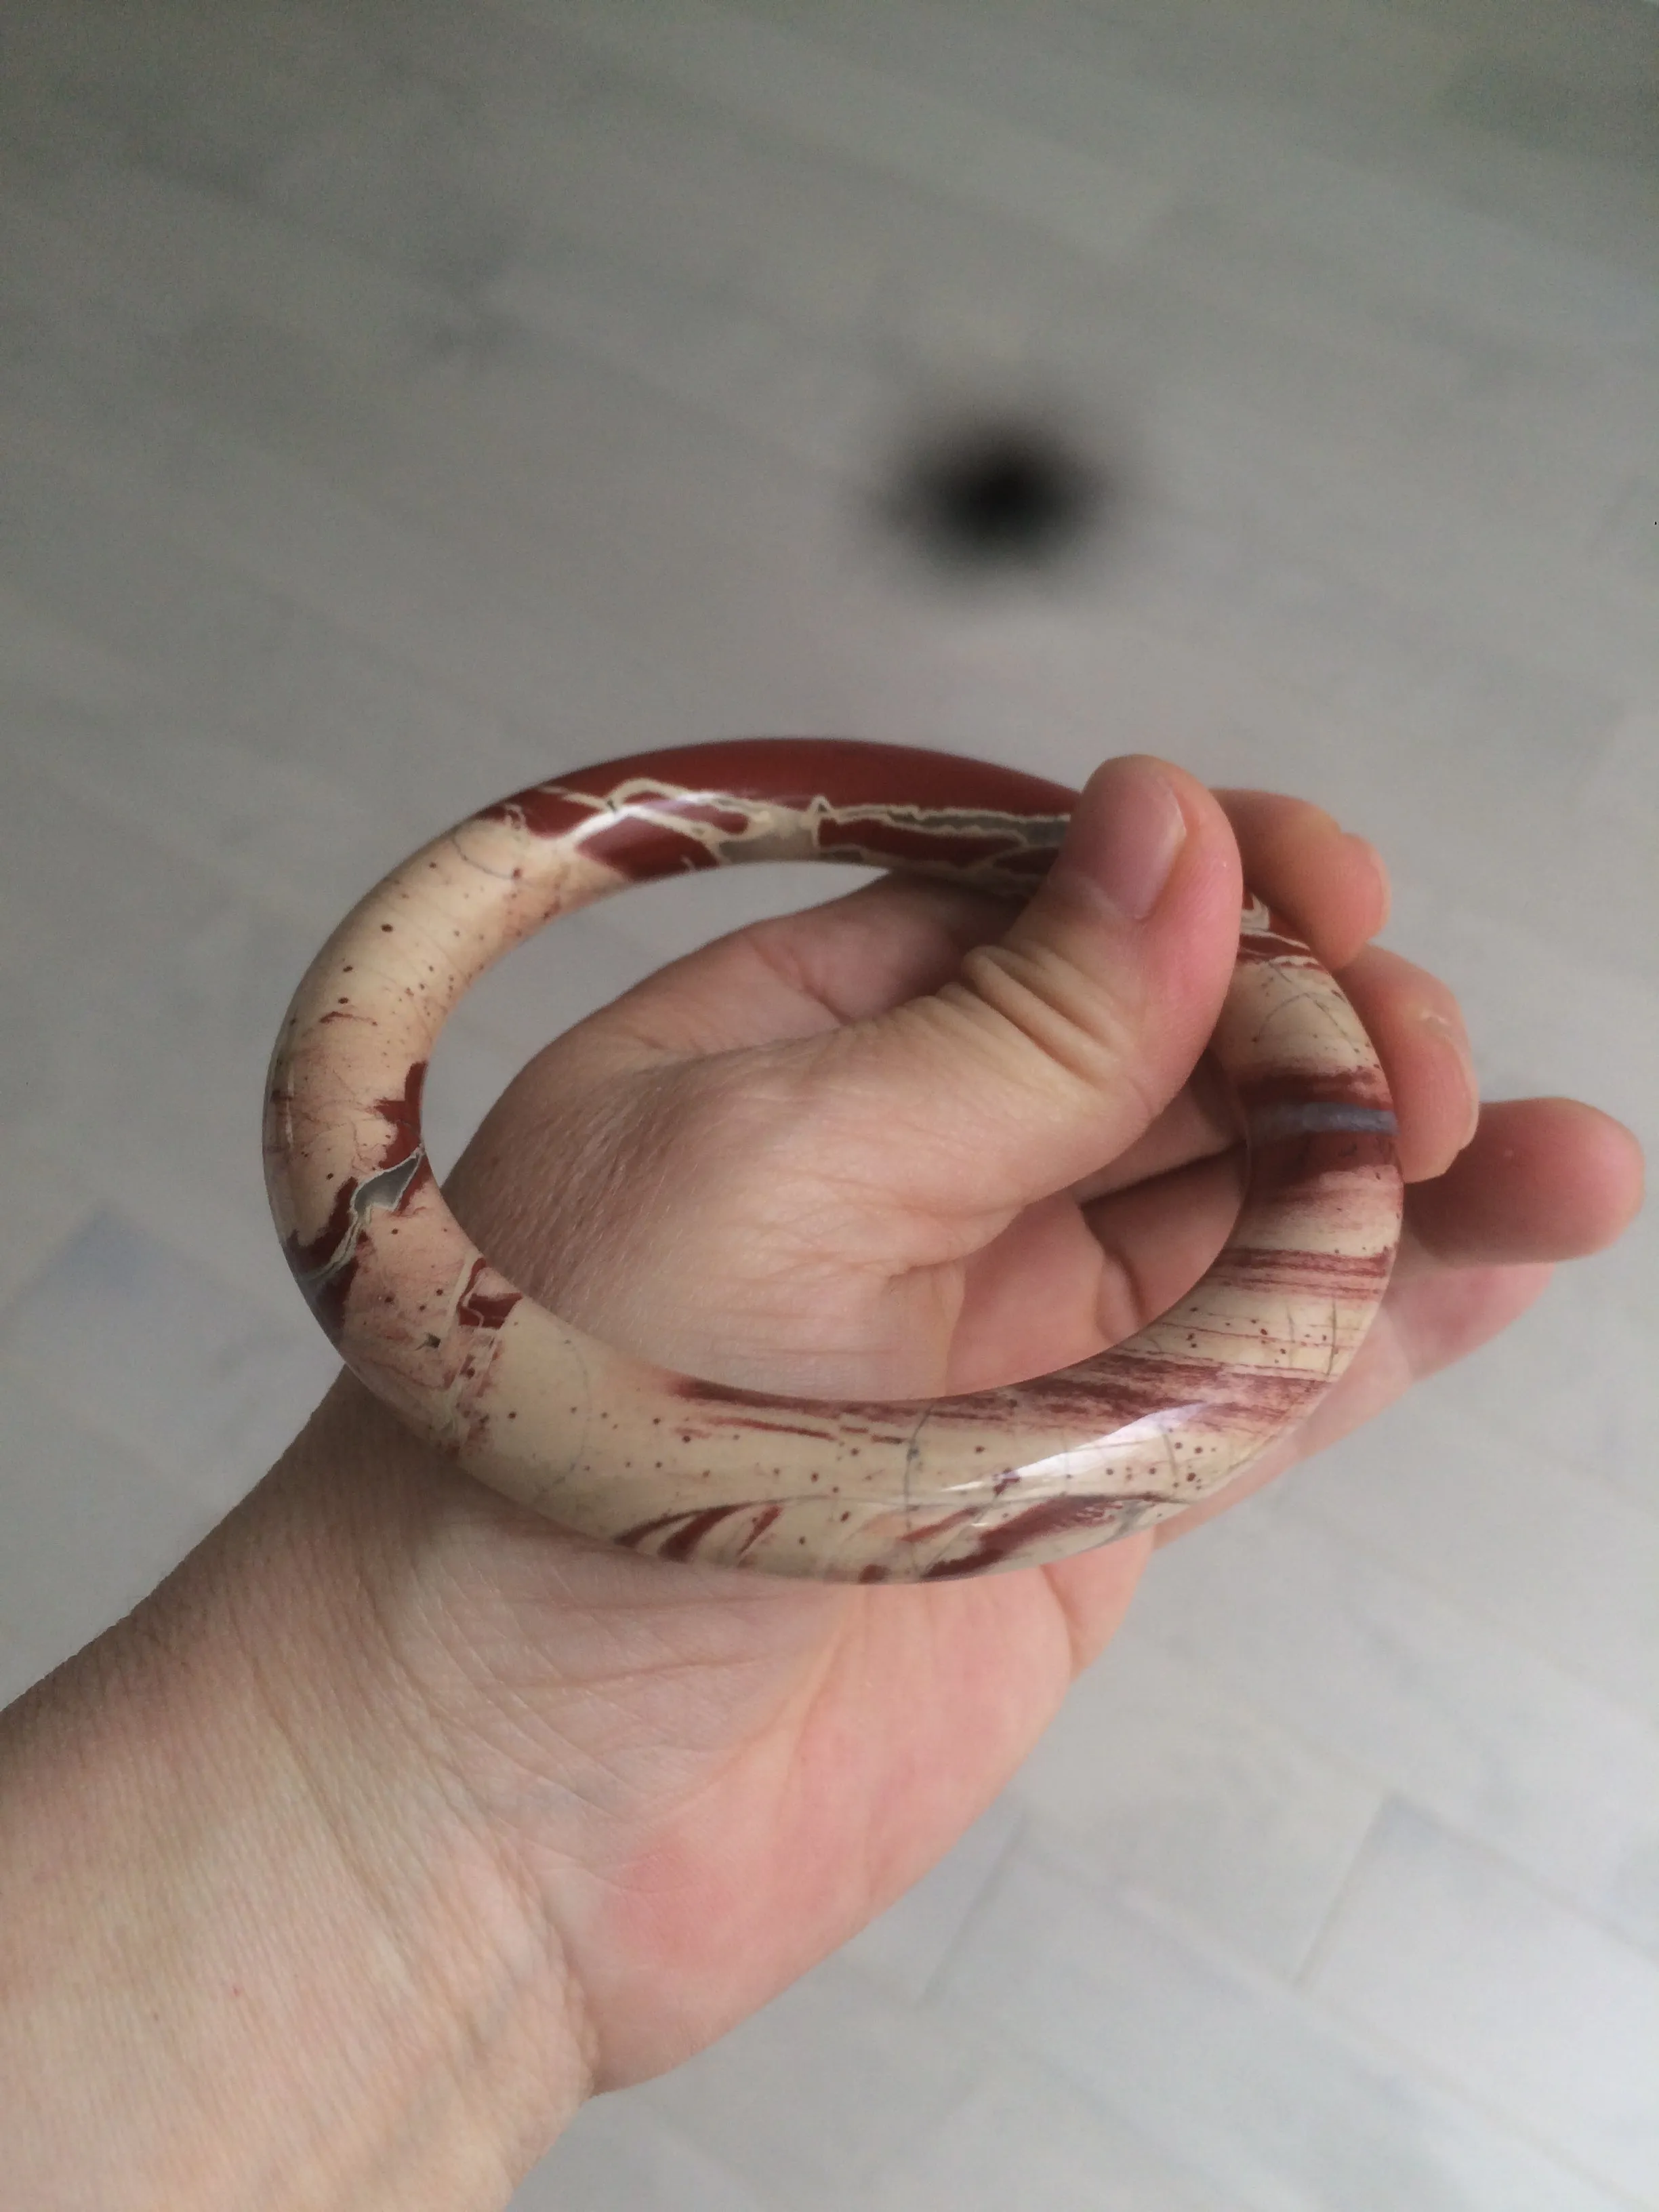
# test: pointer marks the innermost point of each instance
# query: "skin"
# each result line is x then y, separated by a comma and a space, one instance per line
397, 1821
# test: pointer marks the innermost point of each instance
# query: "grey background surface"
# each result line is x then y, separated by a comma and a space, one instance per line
404, 399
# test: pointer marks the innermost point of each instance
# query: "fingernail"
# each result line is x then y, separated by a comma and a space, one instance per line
1138, 832
1375, 862
1460, 1044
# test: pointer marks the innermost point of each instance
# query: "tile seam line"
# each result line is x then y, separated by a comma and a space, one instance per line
504, 718
1268, 136
1499, 1630
1371, 2050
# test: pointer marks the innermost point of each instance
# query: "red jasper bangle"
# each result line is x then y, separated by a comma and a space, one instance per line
664, 1464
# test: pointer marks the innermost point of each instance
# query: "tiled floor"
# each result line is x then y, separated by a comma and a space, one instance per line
404, 398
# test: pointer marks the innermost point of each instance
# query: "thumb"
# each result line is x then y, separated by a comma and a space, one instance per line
1054, 1047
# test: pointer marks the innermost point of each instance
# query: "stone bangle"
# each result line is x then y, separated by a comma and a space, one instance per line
611, 1446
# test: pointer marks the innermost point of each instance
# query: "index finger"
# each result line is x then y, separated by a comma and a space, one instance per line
1328, 883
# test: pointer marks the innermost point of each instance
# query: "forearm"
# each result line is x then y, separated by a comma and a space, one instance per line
250, 1956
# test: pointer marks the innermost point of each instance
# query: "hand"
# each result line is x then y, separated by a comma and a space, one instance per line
515, 1813
860, 1151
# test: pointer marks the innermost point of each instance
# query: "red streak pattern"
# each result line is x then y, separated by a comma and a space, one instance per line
684, 1469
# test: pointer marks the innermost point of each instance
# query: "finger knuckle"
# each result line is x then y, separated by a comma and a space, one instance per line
1083, 1028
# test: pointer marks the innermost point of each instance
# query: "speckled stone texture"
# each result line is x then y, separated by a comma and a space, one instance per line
685, 1468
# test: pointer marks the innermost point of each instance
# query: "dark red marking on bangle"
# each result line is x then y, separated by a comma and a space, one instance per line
689, 1526
1200, 1391
404, 1114
1049, 1517
484, 1309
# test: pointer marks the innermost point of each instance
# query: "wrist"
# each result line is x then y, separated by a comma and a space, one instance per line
253, 1951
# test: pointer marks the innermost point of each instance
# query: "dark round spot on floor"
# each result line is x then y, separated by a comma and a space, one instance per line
1001, 494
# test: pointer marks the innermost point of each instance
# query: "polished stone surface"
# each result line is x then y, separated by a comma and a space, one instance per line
406, 397
688, 1468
